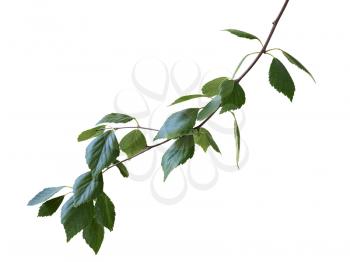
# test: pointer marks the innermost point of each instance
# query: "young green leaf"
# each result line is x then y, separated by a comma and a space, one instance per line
242, 34
123, 170
101, 152
115, 118
90, 133
204, 139
212, 88
105, 213
133, 143
75, 219
44, 195
280, 79
186, 98
86, 188
50, 207
295, 62
93, 235
232, 96
178, 124
178, 153
237, 139
210, 108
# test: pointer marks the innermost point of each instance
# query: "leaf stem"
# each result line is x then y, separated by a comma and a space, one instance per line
241, 62
135, 127
137, 122
272, 49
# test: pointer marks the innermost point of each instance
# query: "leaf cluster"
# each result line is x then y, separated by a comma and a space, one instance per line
89, 210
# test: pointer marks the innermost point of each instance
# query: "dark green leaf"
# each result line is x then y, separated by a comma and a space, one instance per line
50, 207
105, 213
86, 188
242, 34
204, 139
212, 88
133, 143
178, 153
101, 152
123, 170
210, 108
280, 79
93, 235
178, 124
237, 139
75, 219
90, 133
232, 96
186, 98
294, 61
115, 118
44, 195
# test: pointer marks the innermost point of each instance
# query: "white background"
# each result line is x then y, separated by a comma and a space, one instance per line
62, 64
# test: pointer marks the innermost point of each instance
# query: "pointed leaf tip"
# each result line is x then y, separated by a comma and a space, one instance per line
93, 235
295, 62
242, 34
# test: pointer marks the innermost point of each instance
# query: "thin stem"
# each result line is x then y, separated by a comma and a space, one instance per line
263, 50
141, 152
272, 49
241, 62
134, 127
207, 119
137, 122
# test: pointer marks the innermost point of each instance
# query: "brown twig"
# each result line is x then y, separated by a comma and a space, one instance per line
263, 50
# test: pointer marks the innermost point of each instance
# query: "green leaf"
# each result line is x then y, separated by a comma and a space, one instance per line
86, 188
101, 152
44, 195
242, 34
75, 219
237, 139
280, 79
50, 207
178, 124
90, 133
210, 108
186, 98
178, 153
133, 143
212, 88
204, 139
93, 235
294, 61
115, 118
123, 170
105, 213
232, 96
